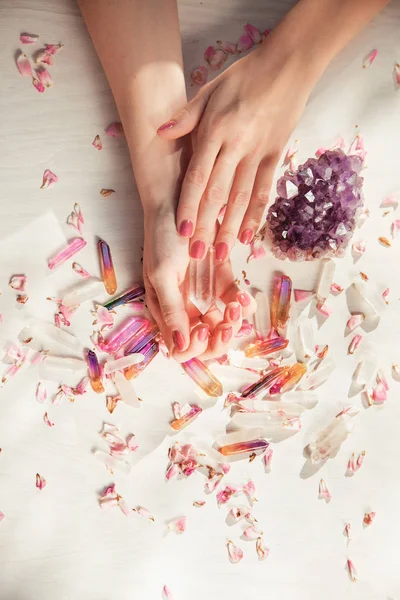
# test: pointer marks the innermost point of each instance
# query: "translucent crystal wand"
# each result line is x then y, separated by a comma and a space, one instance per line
202, 281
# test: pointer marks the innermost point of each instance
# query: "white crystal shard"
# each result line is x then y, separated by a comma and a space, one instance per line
314, 379
37, 332
64, 362
202, 281
365, 371
293, 409
87, 290
331, 438
271, 422
122, 363
112, 463
305, 399
325, 279
238, 436
126, 390
305, 340
262, 318
366, 306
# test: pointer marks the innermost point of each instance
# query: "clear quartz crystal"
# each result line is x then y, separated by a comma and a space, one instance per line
314, 379
262, 317
325, 279
270, 422
87, 290
202, 281
122, 363
126, 390
331, 438
305, 337
112, 463
365, 371
64, 362
366, 306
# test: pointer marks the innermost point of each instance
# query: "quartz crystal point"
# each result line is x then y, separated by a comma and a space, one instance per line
262, 315
305, 337
64, 363
314, 379
270, 422
280, 305
187, 418
125, 390
327, 271
366, 306
73, 246
142, 338
265, 382
317, 207
122, 363
331, 438
203, 377
262, 348
258, 445
366, 371
88, 290
94, 371
107, 268
123, 335
288, 380
149, 351
40, 331
125, 298
202, 281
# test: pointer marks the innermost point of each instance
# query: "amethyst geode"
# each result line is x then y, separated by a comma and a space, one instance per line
317, 207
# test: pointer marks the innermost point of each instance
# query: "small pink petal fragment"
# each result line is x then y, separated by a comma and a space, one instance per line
28, 38
360, 460
44, 77
39, 86
267, 459
53, 48
47, 420
111, 403
18, 282
115, 130
370, 58
97, 143
351, 466
44, 57
254, 33
289, 159
49, 179
354, 344
199, 75
143, 512
246, 329
249, 490
172, 470
262, 550
103, 318
336, 288
178, 525
396, 371
167, 594
110, 498
176, 409
369, 518
347, 532
359, 247
395, 228
198, 503
229, 47
379, 394
230, 399
324, 309
252, 533
131, 443
235, 553
352, 570
320, 151
389, 202
215, 57
24, 65
245, 43
40, 482
385, 295
257, 250
226, 494
1, 516
355, 321
302, 295
22, 298
41, 393
80, 270
323, 492
74, 222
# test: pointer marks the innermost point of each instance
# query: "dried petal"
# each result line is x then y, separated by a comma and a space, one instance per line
355, 321
347, 531
178, 525
389, 202
74, 221
384, 241
143, 512
39, 86
111, 402
53, 48
379, 393
48, 179
199, 75
235, 553
397, 73
28, 38
354, 344
228, 47
351, 466
267, 459
44, 57
198, 503
360, 460
336, 288
245, 43
364, 276
80, 270
115, 130
249, 490
215, 57
213, 483
385, 295
167, 595
245, 330
176, 409
262, 550
18, 282
369, 518
41, 393
324, 309
257, 250
104, 318
302, 295
171, 471
352, 570
131, 444
97, 143
323, 492
24, 65
395, 228
105, 193
225, 495
47, 420
40, 482
359, 247
370, 58
252, 533
254, 33
44, 77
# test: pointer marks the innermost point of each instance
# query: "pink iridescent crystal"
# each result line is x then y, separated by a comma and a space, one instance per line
74, 246
187, 418
124, 334
288, 379
203, 377
262, 348
265, 382
244, 447
280, 305
95, 372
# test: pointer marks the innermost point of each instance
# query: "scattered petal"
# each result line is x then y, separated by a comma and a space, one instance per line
97, 143
254, 33
346, 532
379, 393
115, 130
225, 495
167, 595
290, 154
143, 512
364, 276
48, 179
228, 47
354, 344
39, 86
369, 518
44, 77
22, 298
389, 202
230, 399
360, 460
245, 43
352, 570
355, 321
53, 48
359, 247
198, 503
111, 403
28, 38
257, 250
212, 484
395, 228
176, 409
396, 371
324, 309
172, 470
105, 193
44, 57
397, 73
199, 75
302, 295
323, 492
336, 288
246, 329
41, 393
1, 516
235, 553
131, 443
351, 466
262, 550
370, 58
40, 482
215, 57
384, 241
24, 65
47, 420
103, 317
252, 533
267, 459
249, 490
110, 498
18, 282
178, 525
385, 295
80, 270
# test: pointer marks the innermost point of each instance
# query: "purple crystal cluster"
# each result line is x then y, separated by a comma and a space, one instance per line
317, 207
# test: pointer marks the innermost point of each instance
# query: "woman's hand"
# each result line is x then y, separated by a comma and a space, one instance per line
184, 329
242, 121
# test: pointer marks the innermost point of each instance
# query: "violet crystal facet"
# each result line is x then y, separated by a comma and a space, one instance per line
317, 207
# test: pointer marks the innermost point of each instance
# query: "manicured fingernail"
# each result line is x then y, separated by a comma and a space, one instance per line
202, 333
226, 334
179, 340
198, 250
221, 251
244, 298
167, 125
234, 313
247, 236
186, 228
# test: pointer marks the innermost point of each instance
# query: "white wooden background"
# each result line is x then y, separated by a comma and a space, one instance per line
57, 543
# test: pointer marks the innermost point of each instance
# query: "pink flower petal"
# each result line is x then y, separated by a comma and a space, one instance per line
28, 38
245, 43
167, 594
212, 484
97, 143
252, 533
73, 246
385, 295
53, 48
359, 247
267, 459
257, 250
48, 179
360, 460
44, 77
246, 329
249, 490
18, 282
39, 86
44, 57
351, 466
355, 321
104, 318
354, 344
41, 393
389, 202
397, 73
324, 309
171, 472
115, 130
24, 65
320, 151
254, 33
176, 409
124, 506
235, 553
215, 57
1, 516
229, 47
323, 492
199, 75
352, 570
131, 443
370, 58
143, 512
178, 525
80, 270
47, 420
395, 228
40, 482
369, 518
225, 495
262, 550
379, 393
302, 295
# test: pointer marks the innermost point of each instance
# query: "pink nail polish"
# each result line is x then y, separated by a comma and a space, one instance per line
226, 334
179, 340
198, 250
244, 298
247, 236
221, 251
186, 228
234, 313
167, 125
202, 333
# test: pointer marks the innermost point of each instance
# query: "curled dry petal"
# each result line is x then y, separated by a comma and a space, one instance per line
143, 512
323, 492
381, 378
97, 143
359, 247
352, 570
198, 503
176, 409
379, 393
396, 371
249, 490
389, 202
48, 179
43, 57
235, 553
18, 282
257, 250
213, 483
369, 518
370, 58
336, 288
267, 459
115, 130
254, 33
104, 318
41, 393
167, 594
80, 270
178, 525
40, 482
172, 470
28, 38
74, 222
105, 192
395, 227
384, 241
228, 47
302, 295
47, 420
354, 344
22, 298
111, 403
347, 531
199, 75
230, 399
226, 494
385, 295
24, 65
44, 77
215, 57
245, 43
246, 329
397, 73
355, 321
360, 460
324, 309
351, 466
261, 548
252, 533
53, 48
38, 85
131, 443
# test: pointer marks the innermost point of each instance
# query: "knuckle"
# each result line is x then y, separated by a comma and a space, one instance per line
240, 198
214, 194
202, 232
262, 196
228, 235
196, 176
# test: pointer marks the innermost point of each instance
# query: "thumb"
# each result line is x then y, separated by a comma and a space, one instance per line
175, 321
184, 121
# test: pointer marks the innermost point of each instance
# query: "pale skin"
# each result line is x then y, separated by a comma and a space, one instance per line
242, 121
